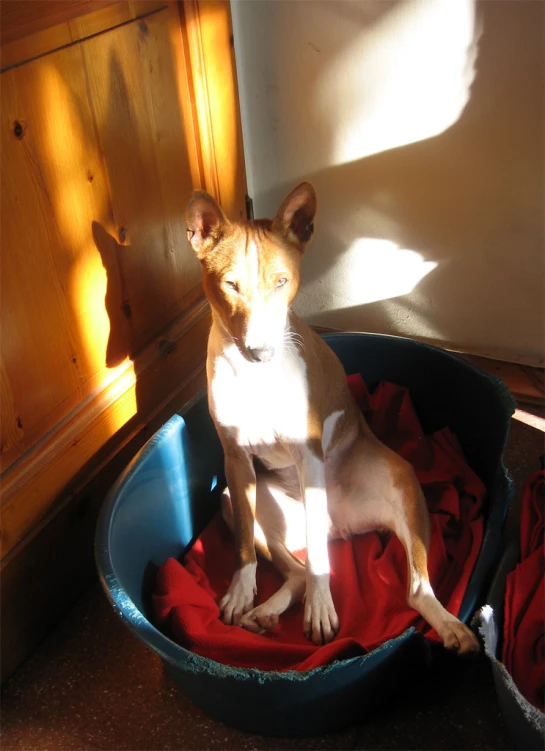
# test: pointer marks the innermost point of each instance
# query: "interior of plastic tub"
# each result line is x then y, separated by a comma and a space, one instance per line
171, 490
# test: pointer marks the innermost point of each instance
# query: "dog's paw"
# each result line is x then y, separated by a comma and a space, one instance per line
260, 619
320, 624
459, 638
239, 598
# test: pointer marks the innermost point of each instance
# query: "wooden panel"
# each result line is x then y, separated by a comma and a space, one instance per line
33, 488
37, 349
60, 123
132, 80
104, 153
104, 323
47, 236
22, 18
100, 155
114, 15
57, 564
32, 28
10, 422
28, 48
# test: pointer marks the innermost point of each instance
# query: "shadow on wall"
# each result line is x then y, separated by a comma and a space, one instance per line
440, 238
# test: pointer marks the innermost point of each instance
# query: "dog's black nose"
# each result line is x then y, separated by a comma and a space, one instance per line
261, 354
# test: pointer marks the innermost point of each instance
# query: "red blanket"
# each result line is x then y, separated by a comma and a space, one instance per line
524, 607
368, 572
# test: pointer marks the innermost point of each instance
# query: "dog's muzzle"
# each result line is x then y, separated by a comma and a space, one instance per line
260, 354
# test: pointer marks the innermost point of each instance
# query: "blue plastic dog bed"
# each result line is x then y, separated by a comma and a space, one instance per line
171, 490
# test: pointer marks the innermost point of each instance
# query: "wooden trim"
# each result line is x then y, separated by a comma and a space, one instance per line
194, 36
35, 483
21, 18
94, 391
526, 383
209, 43
486, 353
56, 565
40, 32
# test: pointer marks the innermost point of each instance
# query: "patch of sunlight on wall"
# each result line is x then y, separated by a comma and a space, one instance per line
76, 203
74, 210
121, 395
404, 79
370, 270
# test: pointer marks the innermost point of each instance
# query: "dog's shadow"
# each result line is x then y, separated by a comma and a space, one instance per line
117, 306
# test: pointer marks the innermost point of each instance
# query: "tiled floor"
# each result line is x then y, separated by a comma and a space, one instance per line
91, 685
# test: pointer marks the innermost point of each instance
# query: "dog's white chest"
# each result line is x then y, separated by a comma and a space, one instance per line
262, 404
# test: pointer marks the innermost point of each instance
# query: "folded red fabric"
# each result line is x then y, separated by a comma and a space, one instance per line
368, 572
524, 607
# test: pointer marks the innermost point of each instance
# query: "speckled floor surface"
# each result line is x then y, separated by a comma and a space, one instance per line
91, 685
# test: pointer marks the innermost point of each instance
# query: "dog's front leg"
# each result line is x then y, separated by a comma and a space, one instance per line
321, 623
240, 475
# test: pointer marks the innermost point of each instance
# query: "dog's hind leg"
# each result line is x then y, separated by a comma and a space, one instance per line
412, 527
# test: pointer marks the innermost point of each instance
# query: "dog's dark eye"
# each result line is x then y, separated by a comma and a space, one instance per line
232, 286
281, 282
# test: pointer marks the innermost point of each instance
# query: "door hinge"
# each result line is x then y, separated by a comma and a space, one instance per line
249, 207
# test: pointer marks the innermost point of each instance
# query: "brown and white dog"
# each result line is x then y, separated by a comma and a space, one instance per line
302, 466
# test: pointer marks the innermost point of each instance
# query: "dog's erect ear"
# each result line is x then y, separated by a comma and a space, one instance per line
206, 222
295, 218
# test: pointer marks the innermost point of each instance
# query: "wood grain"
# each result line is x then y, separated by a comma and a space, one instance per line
38, 340
104, 323
33, 28
134, 89
10, 422
212, 64
57, 563
92, 167
22, 18
35, 488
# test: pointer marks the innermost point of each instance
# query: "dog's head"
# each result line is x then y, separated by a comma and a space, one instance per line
251, 269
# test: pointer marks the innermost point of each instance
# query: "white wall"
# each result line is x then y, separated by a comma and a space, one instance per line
421, 125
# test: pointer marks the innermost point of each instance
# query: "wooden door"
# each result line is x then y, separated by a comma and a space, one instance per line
111, 113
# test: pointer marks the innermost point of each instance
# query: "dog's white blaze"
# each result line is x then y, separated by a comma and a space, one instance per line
312, 475
257, 329
253, 264
329, 426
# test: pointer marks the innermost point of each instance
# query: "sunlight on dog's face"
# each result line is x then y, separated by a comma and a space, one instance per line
251, 280
251, 269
